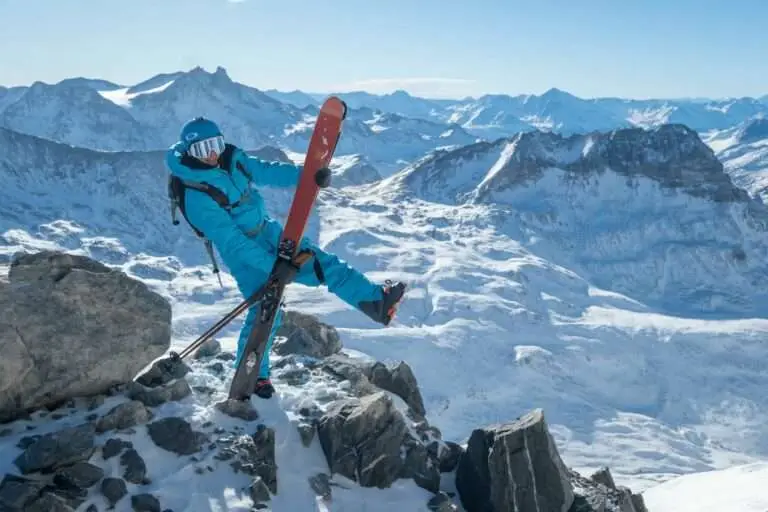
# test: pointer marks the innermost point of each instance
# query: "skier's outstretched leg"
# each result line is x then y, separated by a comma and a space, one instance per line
378, 302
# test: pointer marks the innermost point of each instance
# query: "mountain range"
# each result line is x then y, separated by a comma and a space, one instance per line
390, 130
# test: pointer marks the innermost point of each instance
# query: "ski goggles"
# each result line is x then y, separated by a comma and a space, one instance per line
203, 148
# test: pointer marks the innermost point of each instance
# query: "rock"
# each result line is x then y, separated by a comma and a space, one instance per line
639, 503
49, 502
306, 433
418, 465
113, 489
135, 468
441, 502
321, 484
368, 378
400, 380
145, 503
125, 415
253, 455
447, 454
160, 394
80, 475
362, 439
113, 447
74, 444
17, 492
259, 491
175, 435
162, 372
70, 326
603, 476
599, 493
208, 349
241, 409
306, 335
514, 467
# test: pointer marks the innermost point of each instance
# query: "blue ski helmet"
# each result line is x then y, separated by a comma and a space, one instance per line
198, 129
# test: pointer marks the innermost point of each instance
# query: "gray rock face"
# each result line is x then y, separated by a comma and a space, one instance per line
514, 468
361, 439
68, 446
368, 378
599, 493
70, 326
175, 435
306, 335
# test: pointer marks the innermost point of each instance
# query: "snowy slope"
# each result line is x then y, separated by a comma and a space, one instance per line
744, 153
738, 489
617, 281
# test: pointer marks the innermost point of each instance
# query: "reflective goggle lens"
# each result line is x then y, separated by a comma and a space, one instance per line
203, 148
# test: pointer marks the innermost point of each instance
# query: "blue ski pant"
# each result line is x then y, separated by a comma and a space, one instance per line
343, 280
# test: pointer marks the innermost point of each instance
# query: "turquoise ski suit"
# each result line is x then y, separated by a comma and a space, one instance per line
246, 237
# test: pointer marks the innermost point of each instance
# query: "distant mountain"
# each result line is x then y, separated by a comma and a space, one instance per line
296, 98
743, 150
389, 130
73, 112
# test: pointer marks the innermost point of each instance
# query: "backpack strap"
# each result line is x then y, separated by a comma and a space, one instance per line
177, 195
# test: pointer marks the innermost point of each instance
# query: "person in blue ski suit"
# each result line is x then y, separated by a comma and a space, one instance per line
246, 237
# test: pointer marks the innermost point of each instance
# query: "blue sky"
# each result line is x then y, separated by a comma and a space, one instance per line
629, 48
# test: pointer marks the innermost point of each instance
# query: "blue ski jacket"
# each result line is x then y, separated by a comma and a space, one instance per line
245, 236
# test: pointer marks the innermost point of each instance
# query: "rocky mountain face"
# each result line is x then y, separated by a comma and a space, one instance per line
672, 156
365, 437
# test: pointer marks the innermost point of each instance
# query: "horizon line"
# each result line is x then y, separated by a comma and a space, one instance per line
349, 90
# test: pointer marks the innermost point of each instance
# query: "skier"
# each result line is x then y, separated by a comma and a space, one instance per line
246, 237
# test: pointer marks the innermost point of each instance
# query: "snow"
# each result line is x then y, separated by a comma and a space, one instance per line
123, 98
738, 489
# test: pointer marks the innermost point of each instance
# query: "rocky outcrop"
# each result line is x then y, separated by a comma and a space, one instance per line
514, 468
303, 334
364, 439
71, 326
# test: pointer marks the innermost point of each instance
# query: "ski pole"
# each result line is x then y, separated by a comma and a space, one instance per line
218, 326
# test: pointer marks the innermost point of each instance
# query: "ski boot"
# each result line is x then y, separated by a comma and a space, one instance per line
264, 388
383, 311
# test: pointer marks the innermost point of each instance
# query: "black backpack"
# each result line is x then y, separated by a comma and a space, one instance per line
178, 186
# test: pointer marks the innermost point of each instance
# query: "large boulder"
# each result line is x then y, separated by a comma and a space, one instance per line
369, 441
71, 326
514, 467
